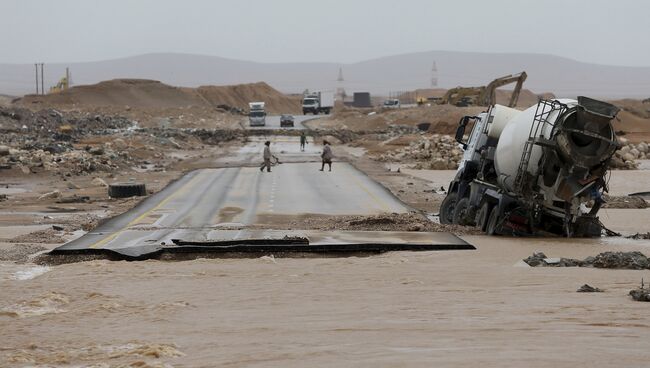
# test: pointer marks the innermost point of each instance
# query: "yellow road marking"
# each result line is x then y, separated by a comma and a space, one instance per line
109, 238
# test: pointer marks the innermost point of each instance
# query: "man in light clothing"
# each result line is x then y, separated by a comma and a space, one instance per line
326, 155
267, 157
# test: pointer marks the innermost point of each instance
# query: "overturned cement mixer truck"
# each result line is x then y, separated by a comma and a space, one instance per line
533, 172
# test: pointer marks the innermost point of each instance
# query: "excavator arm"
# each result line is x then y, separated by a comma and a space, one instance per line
488, 97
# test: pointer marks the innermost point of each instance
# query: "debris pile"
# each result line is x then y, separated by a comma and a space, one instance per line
641, 294
437, 152
74, 143
625, 158
615, 260
384, 222
586, 288
624, 202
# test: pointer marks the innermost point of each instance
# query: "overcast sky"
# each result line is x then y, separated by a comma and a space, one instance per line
344, 31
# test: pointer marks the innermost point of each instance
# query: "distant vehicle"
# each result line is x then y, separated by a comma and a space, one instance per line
393, 103
318, 102
286, 121
256, 114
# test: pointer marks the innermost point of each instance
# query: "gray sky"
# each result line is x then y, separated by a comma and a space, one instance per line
597, 31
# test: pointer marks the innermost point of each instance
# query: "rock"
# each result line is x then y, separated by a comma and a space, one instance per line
642, 147
97, 151
51, 195
99, 182
537, 259
623, 141
119, 144
5, 151
640, 295
624, 150
589, 289
622, 260
635, 152
72, 185
628, 157
416, 227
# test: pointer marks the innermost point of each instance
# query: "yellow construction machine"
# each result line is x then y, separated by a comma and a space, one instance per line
485, 95
64, 83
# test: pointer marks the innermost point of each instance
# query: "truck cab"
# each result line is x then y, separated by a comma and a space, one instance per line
257, 114
392, 103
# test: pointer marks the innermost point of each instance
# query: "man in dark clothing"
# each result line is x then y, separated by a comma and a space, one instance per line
303, 141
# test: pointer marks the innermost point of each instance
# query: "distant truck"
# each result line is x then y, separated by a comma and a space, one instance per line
318, 102
392, 103
256, 114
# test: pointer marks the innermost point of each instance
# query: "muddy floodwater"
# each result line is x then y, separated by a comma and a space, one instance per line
447, 308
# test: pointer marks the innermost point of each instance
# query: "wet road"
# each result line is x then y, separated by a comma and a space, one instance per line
273, 122
206, 205
199, 204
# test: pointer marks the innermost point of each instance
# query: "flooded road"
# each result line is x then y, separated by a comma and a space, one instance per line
396, 309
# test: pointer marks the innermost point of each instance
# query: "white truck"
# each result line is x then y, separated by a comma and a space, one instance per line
392, 103
534, 172
256, 114
318, 102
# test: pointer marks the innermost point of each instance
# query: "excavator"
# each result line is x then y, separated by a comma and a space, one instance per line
485, 95
64, 83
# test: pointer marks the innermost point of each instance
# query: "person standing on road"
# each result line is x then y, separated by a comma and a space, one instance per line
326, 155
303, 141
267, 157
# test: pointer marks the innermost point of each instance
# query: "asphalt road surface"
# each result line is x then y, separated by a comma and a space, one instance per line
206, 205
273, 122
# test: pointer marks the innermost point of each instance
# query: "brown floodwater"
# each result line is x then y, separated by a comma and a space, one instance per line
448, 308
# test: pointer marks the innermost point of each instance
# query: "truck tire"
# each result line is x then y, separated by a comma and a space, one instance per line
493, 220
125, 190
447, 209
327, 111
482, 216
315, 112
461, 211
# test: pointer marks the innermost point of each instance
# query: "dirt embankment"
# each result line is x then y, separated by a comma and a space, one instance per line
443, 119
151, 99
240, 95
633, 121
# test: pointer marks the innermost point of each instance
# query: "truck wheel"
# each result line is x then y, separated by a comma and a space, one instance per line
493, 219
461, 211
447, 209
315, 112
482, 216
125, 190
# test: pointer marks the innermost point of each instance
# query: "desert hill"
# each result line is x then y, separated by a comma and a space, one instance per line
561, 76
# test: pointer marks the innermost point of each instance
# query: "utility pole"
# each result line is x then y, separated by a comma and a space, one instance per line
36, 67
42, 82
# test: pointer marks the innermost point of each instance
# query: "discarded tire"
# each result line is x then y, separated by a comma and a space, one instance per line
125, 190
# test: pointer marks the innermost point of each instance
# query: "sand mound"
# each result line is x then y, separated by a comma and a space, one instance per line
150, 94
240, 95
120, 92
